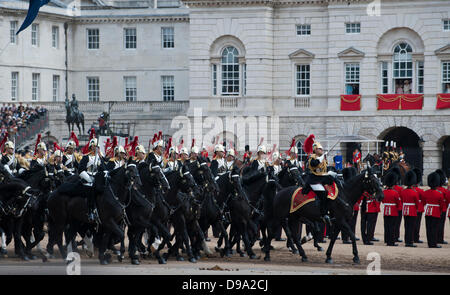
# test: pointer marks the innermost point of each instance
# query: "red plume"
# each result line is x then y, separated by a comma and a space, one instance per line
85, 149
159, 135
169, 145
290, 148
126, 143
193, 143
74, 138
4, 140
56, 147
107, 144
110, 152
181, 144
308, 144
37, 142
133, 146
155, 138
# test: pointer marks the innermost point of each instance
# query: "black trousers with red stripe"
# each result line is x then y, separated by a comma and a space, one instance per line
432, 224
410, 223
417, 227
440, 233
389, 227
397, 225
368, 223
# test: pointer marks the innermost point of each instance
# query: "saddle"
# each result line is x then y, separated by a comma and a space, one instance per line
298, 199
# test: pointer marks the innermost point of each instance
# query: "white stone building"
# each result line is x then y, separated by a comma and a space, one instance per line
288, 60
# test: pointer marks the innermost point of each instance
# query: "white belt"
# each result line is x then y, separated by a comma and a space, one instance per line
390, 204
432, 205
409, 204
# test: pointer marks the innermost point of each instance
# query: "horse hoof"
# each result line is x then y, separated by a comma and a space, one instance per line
104, 262
3, 252
356, 260
295, 252
329, 261
320, 249
217, 249
25, 258
162, 261
242, 254
197, 257
253, 256
266, 258
179, 258
44, 259
135, 261
304, 259
192, 260
165, 256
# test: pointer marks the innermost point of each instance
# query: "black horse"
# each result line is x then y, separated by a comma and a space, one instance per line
74, 118
341, 209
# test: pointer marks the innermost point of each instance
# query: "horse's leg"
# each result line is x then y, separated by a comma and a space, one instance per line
18, 244
346, 227
185, 238
271, 225
294, 226
104, 259
244, 234
334, 233
224, 234
132, 239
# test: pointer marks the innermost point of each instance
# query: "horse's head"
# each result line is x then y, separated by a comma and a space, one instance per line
294, 174
132, 175
372, 185
187, 181
235, 180
208, 178
157, 174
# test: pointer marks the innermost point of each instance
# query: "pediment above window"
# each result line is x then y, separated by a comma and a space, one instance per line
443, 52
351, 52
301, 54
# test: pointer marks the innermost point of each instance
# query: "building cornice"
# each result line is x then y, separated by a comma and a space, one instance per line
132, 19
270, 3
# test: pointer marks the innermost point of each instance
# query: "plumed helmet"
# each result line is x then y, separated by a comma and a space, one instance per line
41, 146
442, 177
194, 150
262, 148
93, 142
433, 180
140, 148
317, 145
71, 144
158, 143
410, 178
219, 148
230, 152
275, 155
173, 149
119, 149
57, 153
418, 175
184, 150
390, 179
348, 173
9, 144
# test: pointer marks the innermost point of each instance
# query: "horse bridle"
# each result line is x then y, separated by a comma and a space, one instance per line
369, 185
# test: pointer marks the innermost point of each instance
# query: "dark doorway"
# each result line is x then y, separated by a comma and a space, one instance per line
409, 141
446, 154
351, 146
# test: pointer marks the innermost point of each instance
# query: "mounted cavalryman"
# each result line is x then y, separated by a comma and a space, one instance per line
69, 159
218, 165
118, 160
260, 162
9, 160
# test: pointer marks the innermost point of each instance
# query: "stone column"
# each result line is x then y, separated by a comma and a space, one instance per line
431, 157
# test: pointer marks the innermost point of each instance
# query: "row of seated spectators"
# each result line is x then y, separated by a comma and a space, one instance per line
14, 118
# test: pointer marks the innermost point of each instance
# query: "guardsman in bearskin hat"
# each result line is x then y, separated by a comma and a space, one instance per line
391, 202
446, 193
420, 209
118, 160
218, 165
317, 165
70, 160
90, 164
410, 200
260, 162
247, 155
9, 160
434, 202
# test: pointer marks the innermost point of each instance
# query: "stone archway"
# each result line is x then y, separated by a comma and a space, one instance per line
408, 141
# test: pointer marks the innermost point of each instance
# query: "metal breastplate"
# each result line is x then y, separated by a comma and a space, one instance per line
221, 167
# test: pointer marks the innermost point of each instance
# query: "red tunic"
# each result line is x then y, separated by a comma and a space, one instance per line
391, 202
434, 201
357, 204
444, 192
421, 200
399, 190
373, 206
410, 200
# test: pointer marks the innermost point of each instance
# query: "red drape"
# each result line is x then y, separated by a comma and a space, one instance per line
443, 101
351, 102
400, 101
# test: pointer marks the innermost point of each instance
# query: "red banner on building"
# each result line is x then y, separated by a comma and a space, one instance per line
350, 102
400, 101
443, 101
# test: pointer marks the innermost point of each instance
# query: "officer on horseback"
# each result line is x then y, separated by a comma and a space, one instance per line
89, 166
118, 160
218, 165
260, 163
230, 158
69, 160
9, 160
172, 162
155, 158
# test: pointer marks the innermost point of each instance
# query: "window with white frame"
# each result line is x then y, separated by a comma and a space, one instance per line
130, 88
168, 88
130, 38
230, 71
214, 79
304, 29
168, 37
14, 85
446, 76
35, 86
55, 87
55, 37
352, 78
403, 68
93, 87
244, 80
302, 78
353, 28
446, 24
420, 76
12, 32
35, 34
384, 78
302, 156
93, 38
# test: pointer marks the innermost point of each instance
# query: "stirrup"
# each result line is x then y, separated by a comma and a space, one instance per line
326, 219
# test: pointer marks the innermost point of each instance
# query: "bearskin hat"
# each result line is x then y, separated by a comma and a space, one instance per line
418, 175
390, 179
348, 173
433, 180
410, 178
441, 176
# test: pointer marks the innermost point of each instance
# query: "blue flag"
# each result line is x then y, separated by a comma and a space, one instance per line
33, 10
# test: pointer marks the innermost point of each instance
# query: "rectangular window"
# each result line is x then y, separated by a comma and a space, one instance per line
93, 38
353, 28
446, 23
35, 34
12, 32
93, 86
168, 3
168, 88
130, 88
420, 76
55, 88
167, 37
55, 37
446, 77
244, 76
35, 86
14, 85
214, 79
352, 78
303, 30
384, 78
303, 80
130, 38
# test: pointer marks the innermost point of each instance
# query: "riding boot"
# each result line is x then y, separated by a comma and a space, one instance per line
92, 209
324, 206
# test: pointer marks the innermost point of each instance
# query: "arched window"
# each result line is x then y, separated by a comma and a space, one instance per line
230, 71
302, 156
403, 68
